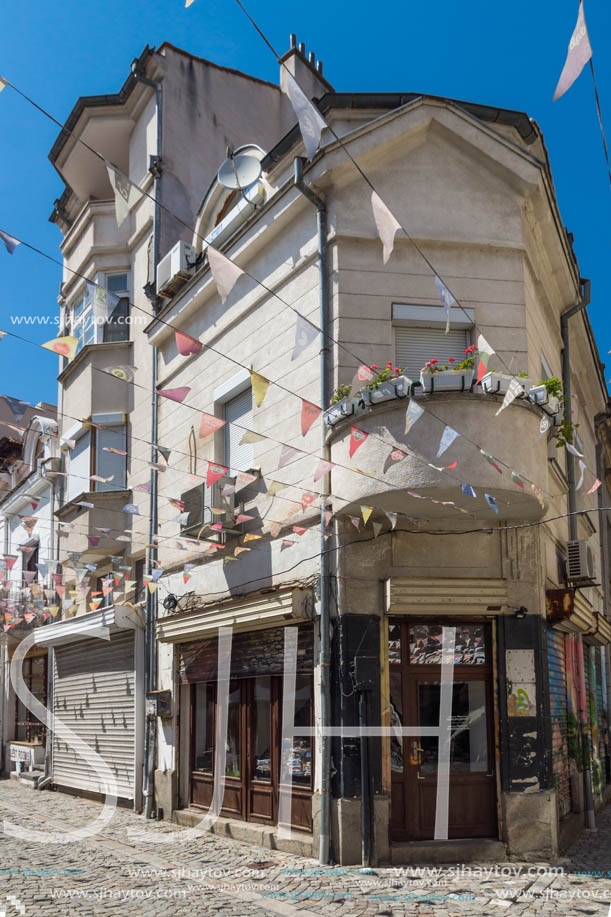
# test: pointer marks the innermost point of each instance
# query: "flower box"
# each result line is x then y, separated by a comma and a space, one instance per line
498, 383
399, 387
549, 403
337, 412
448, 380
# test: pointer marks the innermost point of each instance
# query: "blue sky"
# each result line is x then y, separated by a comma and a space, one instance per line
507, 55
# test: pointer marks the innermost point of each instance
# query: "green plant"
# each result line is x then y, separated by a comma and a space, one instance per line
341, 392
553, 386
564, 433
522, 375
383, 375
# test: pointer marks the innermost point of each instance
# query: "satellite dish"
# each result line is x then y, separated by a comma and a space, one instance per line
239, 171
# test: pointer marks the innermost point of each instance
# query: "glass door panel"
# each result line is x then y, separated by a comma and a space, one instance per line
232, 764
469, 742
261, 729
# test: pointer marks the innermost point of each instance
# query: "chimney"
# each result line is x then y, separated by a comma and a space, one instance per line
306, 70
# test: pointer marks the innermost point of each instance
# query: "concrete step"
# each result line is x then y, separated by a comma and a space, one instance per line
457, 850
300, 843
31, 778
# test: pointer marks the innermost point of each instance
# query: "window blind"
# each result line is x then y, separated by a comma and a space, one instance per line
416, 346
238, 411
109, 464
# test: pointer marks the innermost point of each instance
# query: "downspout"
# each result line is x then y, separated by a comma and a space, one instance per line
325, 624
572, 507
150, 647
603, 500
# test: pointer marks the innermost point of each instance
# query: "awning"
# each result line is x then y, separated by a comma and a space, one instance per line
423, 596
115, 618
263, 610
569, 612
600, 634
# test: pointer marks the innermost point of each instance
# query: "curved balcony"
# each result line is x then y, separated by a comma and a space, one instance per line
411, 484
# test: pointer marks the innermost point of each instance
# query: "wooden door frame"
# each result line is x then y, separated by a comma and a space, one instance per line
486, 672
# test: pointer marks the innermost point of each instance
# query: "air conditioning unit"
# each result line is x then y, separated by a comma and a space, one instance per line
199, 503
173, 269
581, 565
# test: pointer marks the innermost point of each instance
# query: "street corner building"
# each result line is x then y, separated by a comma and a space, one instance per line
341, 505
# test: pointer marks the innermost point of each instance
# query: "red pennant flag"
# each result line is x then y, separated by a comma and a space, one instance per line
307, 500
214, 473
309, 413
9, 560
174, 394
364, 373
357, 438
396, 455
187, 345
209, 424
299, 530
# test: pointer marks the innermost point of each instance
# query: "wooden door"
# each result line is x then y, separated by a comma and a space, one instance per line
415, 688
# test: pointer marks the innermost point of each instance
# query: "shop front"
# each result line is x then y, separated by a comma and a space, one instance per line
419, 612
98, 694
252, 759
26, 737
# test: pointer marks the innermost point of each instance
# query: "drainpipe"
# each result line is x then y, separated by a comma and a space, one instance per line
572, 506
47, 776
325, 624
150, 647
603, 498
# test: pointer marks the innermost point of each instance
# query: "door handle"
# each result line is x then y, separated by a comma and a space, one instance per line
416, 753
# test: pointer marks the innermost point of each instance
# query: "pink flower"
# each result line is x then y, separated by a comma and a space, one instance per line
434, 361
373, 367
450, 359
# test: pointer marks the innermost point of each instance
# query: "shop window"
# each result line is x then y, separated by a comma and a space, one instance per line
425, 646
28, 727
203, 732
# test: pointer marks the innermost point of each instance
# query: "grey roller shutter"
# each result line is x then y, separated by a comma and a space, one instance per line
238, 415
93, 694
556, 659
416, 346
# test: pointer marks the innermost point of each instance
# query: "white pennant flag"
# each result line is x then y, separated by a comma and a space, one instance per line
126, 193
224, 272
392, 518
311, 122
447, 438
446, 298
386, 223
287, 454
514, 389
103, 301
305, 333
582, 468
570, 448
579, 53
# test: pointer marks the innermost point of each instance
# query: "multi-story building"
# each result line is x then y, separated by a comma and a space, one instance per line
28, 535
373, 543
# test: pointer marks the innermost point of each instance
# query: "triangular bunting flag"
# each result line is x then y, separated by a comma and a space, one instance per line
260, 386
224, 271
64, 346
514, 390
305, 333
287, 454
447, 438
357, 438
126, 193
10, 242
324, 467
446, 298
214, 473
309, 414
485, 352
311, 122
366, 512
174, 394
392, 518
186, 344
414, 412
386, 224
579, 53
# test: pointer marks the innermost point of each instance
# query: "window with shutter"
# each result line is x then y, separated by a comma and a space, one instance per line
416, 346
110, 464
238, 417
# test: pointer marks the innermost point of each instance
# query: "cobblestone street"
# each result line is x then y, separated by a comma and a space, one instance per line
212, 875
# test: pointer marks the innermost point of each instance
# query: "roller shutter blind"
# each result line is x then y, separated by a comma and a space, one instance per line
79, 468
94, 695
238, 412
416, 346
559, 716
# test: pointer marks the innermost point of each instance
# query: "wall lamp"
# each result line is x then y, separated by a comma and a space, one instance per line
521, 612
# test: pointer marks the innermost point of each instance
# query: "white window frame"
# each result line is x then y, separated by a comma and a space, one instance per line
224, 393
411, 315
86, 315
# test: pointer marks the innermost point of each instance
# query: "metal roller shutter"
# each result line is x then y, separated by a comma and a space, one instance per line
558, 707
94, 694
601, 708
238, 419
416, 346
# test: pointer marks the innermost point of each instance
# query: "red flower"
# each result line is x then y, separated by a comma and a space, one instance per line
450, 359
373, 367
433, 361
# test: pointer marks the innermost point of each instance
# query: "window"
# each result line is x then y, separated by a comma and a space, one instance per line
83, 326
139, 593
420, 335
238, 417
79, 467
110, 433
89, 330
416, 346
28, 727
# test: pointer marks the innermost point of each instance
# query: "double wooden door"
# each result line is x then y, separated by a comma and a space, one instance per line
415, 654
252, 764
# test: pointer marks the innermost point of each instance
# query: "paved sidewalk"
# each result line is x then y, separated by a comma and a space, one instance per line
211, 875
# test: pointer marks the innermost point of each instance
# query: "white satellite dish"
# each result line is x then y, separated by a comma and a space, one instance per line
239, 171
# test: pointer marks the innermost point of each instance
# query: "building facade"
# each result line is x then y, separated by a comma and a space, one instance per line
345, 540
